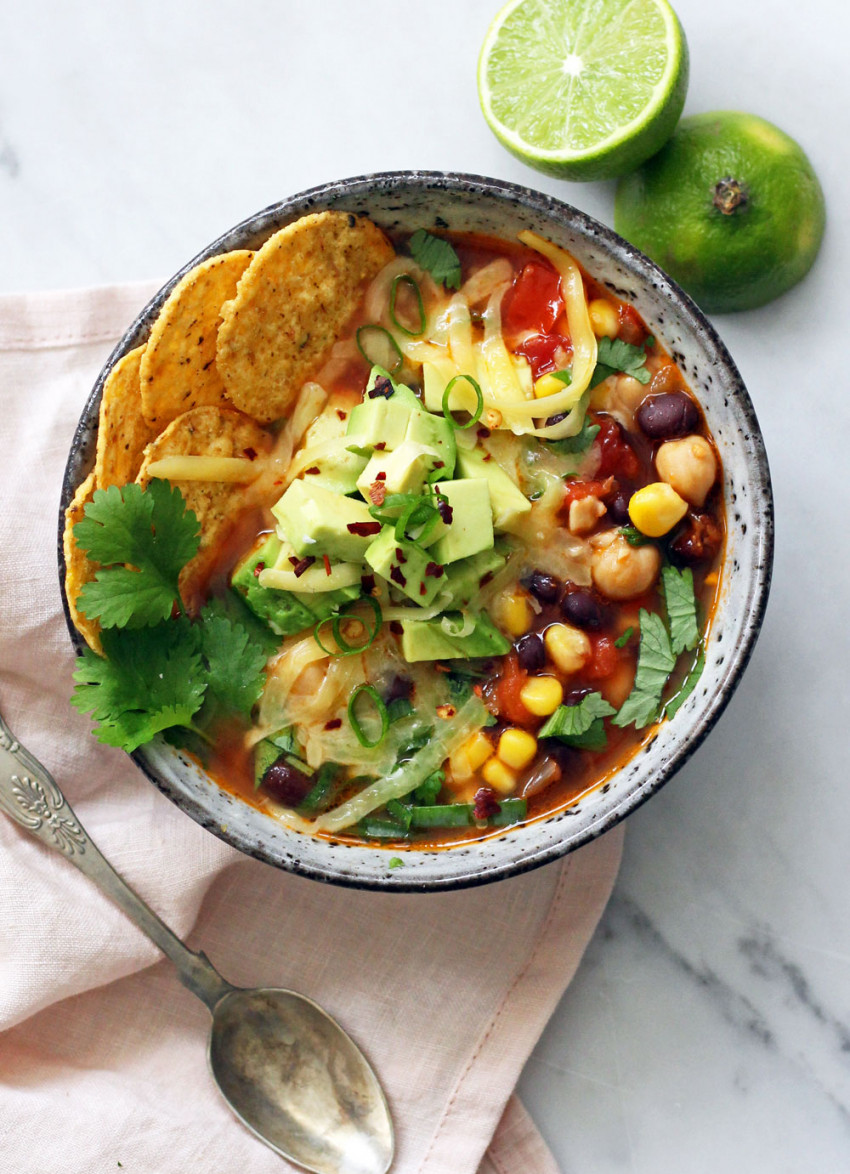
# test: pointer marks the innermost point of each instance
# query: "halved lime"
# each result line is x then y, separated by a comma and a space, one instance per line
584, 89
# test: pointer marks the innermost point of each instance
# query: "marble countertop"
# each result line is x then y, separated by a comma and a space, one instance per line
708, 1029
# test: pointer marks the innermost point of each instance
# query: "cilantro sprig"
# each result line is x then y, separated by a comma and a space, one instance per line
613, 355
158, 673
656, 661
436, 256
679, 598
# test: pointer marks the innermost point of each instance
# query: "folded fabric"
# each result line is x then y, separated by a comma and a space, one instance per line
102, 1052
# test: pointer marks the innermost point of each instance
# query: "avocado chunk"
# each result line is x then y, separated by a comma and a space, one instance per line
401, 471
463, 578
337, 469
317, 521
471, 526
427, 639
506, 499
285, 612
406, 566
381, 420
435, 432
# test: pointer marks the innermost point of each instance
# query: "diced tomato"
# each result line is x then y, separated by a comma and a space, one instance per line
617, 457
546, 352
508, 689
604, 658
576, 490
534, 300
632, 329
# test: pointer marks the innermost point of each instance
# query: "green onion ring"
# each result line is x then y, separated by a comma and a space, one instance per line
399, 363
418, 513
374, 696
479, 407
407, 280
343, 646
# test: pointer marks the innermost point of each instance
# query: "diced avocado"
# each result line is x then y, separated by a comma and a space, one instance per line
407, 567
338, 469
427, 640
506, 499
471, 527
437, 433
381, 420
463, 578
316, 521
401, 471
285, 612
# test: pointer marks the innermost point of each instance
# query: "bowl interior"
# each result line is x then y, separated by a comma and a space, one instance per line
406, 201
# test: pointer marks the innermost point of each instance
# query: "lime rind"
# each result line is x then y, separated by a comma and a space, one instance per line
558, 73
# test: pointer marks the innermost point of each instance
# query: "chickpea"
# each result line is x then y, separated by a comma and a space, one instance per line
621, 571
689, 465
629, 392
618, 394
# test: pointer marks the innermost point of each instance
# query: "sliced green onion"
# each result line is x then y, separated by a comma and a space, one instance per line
406, 279
360, 734
343, 646
389, 343
442, 815
400, 812
375, 828
428, 790
393, 506
419, 513
479, 406
320, 795
510, 811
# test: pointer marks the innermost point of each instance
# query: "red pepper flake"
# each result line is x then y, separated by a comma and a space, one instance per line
293, 560
441, 668
377, 493
367, 582
334, 723
381, 445
486, 803
251, 454
313, 469
434, 570
327, 562
258, 569
399, 553
363, 529
445, 511
439, 464
342, 415
380, 476
446, 711
383, 387
422, 588
279, 481
303, 565
488, 456
398, 577
482, 433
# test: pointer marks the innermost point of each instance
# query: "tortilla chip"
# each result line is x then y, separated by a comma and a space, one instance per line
178, 369
208, 431
123, 431
79, 569
291, 305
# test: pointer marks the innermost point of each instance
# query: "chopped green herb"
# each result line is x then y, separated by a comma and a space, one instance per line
633, 536
231, 607
681, 608
614, 355
687, 686
151, 530
400, 812
396, 862
428, 790
565, 376
398, 709
235, 677
571, 721
438, 257
655, 664
579, 443
623, 640
326, 783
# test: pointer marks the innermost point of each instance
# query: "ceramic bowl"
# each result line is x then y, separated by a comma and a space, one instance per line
406, 201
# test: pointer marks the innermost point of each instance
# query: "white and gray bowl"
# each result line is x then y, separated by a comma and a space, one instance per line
405, 201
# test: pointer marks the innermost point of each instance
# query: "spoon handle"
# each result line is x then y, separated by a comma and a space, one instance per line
31, 796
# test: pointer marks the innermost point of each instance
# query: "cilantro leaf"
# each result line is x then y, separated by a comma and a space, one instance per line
438, 257
231, 607
149, 682
688, 686
153, 535
570, 722
579, 443
633, 536
623, 640
594, 738
615, 355
681, 608
655, 663
235, 666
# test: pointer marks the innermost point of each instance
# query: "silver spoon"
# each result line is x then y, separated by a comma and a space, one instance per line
286, 1068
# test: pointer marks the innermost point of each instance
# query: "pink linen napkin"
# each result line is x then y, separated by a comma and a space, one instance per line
102, 1052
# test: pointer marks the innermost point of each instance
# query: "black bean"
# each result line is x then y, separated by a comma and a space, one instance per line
545, 587
618, 509
583, 610
531, 652
398, 689
661, 417
286, 783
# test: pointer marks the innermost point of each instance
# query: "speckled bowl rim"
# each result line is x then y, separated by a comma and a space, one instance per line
640, 268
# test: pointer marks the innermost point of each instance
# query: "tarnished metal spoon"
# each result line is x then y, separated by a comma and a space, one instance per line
286, 1068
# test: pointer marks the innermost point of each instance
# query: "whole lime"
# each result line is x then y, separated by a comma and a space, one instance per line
730, 207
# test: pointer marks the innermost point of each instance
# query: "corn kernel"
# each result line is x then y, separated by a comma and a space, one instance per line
478, 749
656, 508
514, 614
500, 777
459, 767
542, 695
603, 318
548, 385
517, 748
568, 647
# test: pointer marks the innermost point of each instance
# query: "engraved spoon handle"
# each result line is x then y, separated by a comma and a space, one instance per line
30, 795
